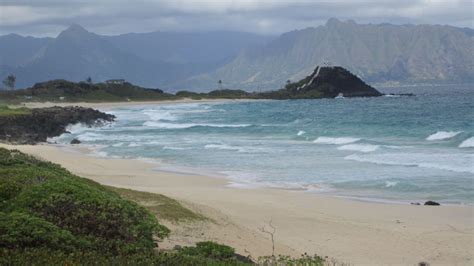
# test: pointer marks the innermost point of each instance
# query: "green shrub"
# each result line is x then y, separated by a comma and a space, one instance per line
43, 256
8, 189
21, 230
112, 223
304, 260
83, 208
46, 256
209, 249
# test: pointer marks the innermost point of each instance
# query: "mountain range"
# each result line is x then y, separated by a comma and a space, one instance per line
377, 53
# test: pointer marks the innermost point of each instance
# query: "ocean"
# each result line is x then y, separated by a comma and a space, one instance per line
391, 149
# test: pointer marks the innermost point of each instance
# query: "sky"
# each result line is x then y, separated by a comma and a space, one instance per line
111, 17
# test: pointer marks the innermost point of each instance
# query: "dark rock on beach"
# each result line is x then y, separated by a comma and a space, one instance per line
75, 141
43, 123
432, 203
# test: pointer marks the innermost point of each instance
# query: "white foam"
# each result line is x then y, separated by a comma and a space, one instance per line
300, 133
359, 147
98, 153
468, 143
390, 183
77, 128
134, 144
167, 125
221, 147
175, 148
158, 115
89, 136
461, 163
335, 141
242, 149
189, 125
441, 135
120, 144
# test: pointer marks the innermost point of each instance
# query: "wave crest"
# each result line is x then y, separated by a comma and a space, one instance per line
468, 143
335, 141
442, 135
359, 147
190, 125
461, 163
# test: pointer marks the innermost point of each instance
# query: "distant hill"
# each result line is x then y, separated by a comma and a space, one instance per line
148, 59
375, 52
324, 82
216, 47
16, 50
63, 90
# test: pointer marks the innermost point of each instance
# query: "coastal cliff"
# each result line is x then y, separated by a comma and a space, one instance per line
36, 125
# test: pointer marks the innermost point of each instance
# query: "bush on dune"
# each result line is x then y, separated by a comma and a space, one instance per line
49, 216
51, 205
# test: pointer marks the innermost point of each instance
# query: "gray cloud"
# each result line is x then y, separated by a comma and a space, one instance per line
48, 18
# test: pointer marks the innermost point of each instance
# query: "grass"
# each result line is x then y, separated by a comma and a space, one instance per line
7, 111
163, 207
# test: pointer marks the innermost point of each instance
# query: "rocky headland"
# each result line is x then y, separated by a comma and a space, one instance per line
39, 124
325, 82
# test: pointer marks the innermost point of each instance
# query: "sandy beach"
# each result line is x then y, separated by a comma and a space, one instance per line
359, 233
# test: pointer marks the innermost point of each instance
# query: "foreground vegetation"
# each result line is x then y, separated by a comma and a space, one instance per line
49, 216
6, 111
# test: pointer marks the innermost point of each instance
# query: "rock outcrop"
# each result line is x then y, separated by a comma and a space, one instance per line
75, 141
43, 123
432, 203
330, 82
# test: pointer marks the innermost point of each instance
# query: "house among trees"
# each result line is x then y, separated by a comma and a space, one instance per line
115, 81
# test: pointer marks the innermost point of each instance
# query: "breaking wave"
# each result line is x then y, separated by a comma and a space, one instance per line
359, 147
461, 163
442, 135
335, 141
190, 125
468, 143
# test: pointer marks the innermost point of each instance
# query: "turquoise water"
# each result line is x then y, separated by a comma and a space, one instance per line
386, 148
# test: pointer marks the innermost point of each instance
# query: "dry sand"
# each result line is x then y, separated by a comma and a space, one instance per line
359, 233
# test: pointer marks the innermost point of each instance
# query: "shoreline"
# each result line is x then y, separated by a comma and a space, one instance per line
351, 231
161, 167
111, 105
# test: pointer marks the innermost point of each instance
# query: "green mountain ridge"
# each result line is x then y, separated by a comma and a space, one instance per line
374, 52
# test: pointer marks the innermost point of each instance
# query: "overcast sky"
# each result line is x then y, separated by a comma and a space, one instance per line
110, 17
